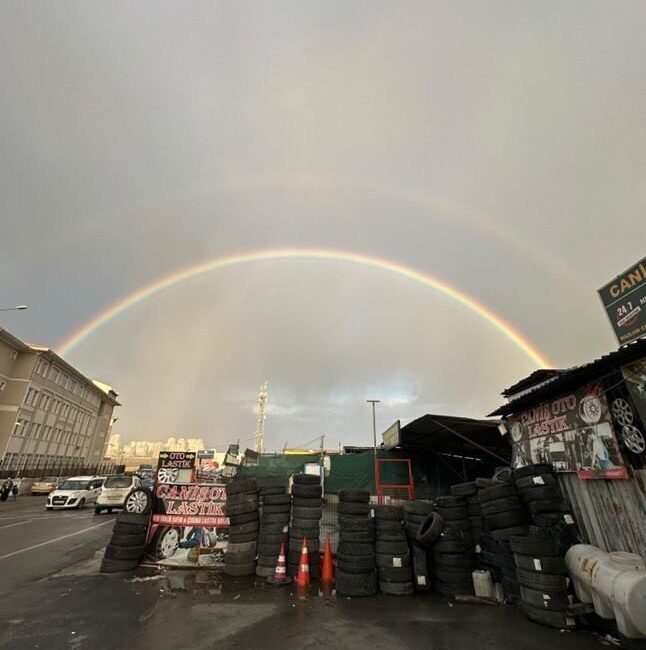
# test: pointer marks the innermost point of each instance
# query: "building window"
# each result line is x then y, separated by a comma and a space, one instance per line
19, 428
35, 434
45, 401
65, 410
56, 406
3, 385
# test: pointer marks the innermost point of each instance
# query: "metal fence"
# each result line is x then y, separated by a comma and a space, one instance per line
61, 469
610, 514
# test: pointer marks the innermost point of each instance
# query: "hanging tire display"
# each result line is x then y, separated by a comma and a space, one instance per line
633, 439
622, 411
167, 474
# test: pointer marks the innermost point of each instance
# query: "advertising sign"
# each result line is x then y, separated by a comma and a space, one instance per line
189, 525
176, 467
624, 299
573, 433
632, 419
206, 454
392, 435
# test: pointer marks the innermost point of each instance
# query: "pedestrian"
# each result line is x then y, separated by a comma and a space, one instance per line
4, 491
14, 491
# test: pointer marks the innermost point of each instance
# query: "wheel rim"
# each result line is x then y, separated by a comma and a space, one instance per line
633, 439
169, 542
167, 474
622, 412
137, 503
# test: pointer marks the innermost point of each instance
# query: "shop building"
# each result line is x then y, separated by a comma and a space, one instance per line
589, 423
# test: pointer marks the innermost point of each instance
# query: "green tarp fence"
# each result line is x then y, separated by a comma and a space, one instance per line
358, 471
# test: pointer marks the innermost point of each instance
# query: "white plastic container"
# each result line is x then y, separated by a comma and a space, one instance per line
483, 584
615, 583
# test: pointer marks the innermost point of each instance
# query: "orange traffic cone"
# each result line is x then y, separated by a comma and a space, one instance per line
303, 577
327, 574
280, 576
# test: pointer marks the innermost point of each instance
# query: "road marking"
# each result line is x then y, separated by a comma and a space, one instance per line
56, 539
20, 523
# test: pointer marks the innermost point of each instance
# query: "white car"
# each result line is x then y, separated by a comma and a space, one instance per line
75, 492
114, 492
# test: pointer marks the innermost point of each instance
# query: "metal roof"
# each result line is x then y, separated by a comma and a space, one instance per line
448, 434
575, 377
537, 377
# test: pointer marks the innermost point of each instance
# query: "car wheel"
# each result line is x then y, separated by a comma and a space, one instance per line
81, 504
48, 508
138, 501
166, 543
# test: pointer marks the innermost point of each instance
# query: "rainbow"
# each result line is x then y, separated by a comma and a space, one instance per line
362, 259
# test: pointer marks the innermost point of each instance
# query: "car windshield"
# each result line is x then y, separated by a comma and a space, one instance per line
75, 485
49, 479
117, 482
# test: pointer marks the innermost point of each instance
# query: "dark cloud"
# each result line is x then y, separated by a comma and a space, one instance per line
500, 147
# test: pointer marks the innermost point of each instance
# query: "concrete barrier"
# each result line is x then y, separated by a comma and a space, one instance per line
615, 583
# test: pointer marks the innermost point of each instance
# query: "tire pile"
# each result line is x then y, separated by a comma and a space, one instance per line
307, 510
538, 556
469, 492
542, 574
242, 510
128, 542
356, 573
392, 555
453, 552
274, 522
415, 512
503, 515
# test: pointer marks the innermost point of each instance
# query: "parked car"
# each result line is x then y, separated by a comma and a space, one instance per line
46, 485
24, 485
75, 492
114, 492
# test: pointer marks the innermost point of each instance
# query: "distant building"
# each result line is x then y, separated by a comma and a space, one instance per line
137, 452
50, 413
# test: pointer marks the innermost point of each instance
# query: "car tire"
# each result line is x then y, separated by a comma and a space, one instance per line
356, 563
240, 569
356, 585
360, 536
541, 581
307, 491
554, 601
307, 513
306, 479
81, 504
126, 541
464, 489
547, 618
247, 517
139, 502
354, 496
498, 491
162, 546
551, 565
352, 508
389, 513
532, 470
241, 508
356, 548
388, 560
392, 548
535, 546
506, 519
419, 508
277, 499
241, 485
430, 529
396, 588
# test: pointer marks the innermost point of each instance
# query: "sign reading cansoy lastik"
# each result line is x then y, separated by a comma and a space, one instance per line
624, 299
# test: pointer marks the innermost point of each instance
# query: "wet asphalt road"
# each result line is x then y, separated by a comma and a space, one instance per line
53, 597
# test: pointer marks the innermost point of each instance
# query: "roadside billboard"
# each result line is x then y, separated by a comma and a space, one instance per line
573, 433
176, 467
392, 436
624, 300
189, 525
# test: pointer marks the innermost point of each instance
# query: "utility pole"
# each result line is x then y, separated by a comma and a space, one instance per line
374, 424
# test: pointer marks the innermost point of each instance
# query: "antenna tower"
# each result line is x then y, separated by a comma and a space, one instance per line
259, 445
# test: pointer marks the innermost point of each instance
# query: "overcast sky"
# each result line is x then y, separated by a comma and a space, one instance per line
499, 146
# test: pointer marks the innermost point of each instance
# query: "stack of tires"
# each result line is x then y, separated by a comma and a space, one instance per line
453, 553
542, 574
356, 573
242, 510
503, 515
502, 511
306, 523
469, 492
393, 556
275, 508
128, 542
415, 512
538, 489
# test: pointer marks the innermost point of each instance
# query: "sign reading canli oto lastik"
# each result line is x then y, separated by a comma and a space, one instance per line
624, 299
573, 433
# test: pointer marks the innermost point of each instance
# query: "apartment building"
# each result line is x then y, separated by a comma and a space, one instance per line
50, 413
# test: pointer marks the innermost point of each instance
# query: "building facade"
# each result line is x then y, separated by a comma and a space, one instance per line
50, 414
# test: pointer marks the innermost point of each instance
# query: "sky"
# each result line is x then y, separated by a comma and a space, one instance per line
498, 146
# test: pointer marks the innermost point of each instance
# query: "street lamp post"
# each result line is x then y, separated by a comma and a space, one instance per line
374, 435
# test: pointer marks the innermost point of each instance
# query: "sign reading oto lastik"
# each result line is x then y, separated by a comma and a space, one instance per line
624, 299
176, 467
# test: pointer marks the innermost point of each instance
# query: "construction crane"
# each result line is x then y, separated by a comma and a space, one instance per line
259, 445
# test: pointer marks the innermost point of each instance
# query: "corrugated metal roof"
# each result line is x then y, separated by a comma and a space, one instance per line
575, 377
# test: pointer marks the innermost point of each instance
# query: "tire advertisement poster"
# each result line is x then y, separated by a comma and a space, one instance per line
574, 433
189, 525
631, 418
176, 467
